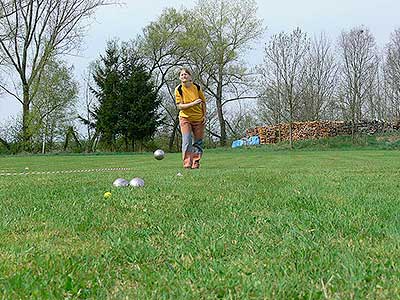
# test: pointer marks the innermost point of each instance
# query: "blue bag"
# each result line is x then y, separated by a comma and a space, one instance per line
254, 140
238, 143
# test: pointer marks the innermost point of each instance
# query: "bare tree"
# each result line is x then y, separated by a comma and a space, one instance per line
7, 8
283, 74
321, 79
392, 74
358, 72
240, 119
221, 31
162, 46
378, 99
87, 109
32, 31
270, 108
89, 102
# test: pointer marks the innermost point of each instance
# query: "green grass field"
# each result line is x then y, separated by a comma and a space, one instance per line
251, 224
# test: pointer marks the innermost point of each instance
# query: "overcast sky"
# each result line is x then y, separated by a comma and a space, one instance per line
312, 16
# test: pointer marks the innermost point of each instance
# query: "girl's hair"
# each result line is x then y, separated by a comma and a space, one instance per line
186, 70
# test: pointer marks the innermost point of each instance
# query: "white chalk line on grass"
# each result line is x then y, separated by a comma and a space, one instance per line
66, 171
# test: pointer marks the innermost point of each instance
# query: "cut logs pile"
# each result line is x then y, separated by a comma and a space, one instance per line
272, 134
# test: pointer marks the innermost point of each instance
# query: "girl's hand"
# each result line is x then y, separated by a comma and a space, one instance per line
197, 101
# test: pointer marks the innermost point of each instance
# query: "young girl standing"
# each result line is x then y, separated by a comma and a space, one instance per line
191, 103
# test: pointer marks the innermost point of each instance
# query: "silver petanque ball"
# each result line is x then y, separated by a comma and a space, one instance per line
120, 182
136, 182
159, 154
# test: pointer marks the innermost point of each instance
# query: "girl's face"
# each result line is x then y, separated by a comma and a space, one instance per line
185, 77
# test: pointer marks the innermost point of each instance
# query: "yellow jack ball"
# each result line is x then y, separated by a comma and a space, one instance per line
107, 195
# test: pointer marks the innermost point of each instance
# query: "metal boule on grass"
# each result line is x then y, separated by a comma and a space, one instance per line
136, 182
159, 154
120, 182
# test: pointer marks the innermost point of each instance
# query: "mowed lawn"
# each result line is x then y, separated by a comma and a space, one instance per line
250, 224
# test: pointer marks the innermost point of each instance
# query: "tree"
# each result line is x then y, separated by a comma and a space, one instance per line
283, 73
10, 133
210, 39
220, 31
358, 72
392, 74
87, 116
321, 80
33, 31
53, 108
240, 119
127, 97
138, 117
163, 45
8, 7
107, 78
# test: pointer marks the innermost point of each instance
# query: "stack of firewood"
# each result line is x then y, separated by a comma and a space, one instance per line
318, 129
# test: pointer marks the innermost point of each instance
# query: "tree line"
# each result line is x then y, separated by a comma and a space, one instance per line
314, 79
128, 93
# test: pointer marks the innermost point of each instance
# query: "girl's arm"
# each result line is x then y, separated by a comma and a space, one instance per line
182, 106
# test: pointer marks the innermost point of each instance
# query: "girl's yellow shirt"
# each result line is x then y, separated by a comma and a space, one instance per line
190, 94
